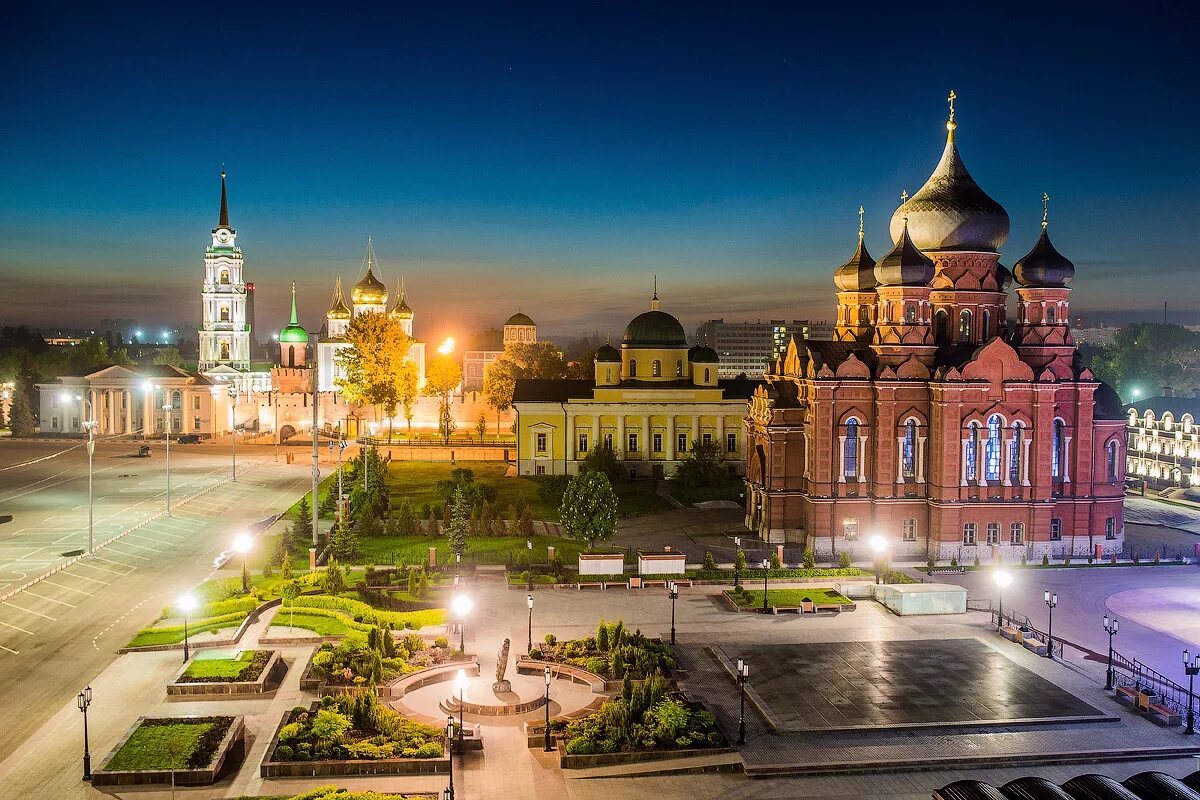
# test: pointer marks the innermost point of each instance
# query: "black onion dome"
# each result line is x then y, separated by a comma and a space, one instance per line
655, 329
701, 354
904, 265
519, 319
1044, 265
607, 353
857, 274
951, 212
1004, 277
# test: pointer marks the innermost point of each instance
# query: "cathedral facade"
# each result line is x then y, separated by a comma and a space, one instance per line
934, 419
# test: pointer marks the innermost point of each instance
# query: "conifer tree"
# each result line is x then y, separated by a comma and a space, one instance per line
459, 522
21, 421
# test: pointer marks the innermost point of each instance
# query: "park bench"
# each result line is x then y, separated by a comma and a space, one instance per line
1161, 715
527, 666
1128, 695
646, 583
1011, 632
836, 608
590, 585
1034, 646
786, 610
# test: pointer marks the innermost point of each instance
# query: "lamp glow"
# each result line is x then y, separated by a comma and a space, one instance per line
242, 543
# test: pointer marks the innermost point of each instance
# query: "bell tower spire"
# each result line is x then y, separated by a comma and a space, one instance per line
223, 222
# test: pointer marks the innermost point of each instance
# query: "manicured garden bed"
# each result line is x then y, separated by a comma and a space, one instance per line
191, 751
246, 665
373, 661
613, 653
786, 598
357, 735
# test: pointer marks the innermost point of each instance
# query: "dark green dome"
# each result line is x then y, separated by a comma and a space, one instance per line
294, 334
703, 355
519, 319
655, 329
607, 353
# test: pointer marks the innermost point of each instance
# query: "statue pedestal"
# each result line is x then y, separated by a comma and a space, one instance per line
502, 687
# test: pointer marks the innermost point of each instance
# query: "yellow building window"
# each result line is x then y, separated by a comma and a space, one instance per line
656, 443
633, 442
541, 442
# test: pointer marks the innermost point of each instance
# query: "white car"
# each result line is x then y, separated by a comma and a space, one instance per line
222, 559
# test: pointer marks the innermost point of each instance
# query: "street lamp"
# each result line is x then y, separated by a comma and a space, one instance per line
673, 593
1002, 579
450, 744
529, 600
242, 545
186, 604
1111, 626
167, 425
233, 395
148, 388
766, 566
90, 426
83, 700
547, 746
737, 547
529, 569
1051, 599
460, 683
743, 675
461, 605
1191, 665
879, 546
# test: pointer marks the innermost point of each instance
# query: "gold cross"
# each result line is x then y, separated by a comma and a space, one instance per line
903, 196
952, 98
1045, 208
860, 222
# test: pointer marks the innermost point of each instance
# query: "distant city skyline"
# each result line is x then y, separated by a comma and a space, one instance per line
554, 159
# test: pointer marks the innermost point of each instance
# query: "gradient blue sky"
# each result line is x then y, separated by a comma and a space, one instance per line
554, 156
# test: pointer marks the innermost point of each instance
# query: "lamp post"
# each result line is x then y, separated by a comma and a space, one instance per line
529, 569
879, 546
148, 388
233, 398
743, 675
1051, 599
167, 424
242, 545
1002, 579
461, 605
547, 746
737, 547
83, 700
529, 600
1111, 626
1191, 665
460, 683
766, 565
673, 593
186, 604
450, 745
90, 426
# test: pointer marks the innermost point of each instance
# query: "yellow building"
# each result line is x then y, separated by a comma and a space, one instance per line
650, 401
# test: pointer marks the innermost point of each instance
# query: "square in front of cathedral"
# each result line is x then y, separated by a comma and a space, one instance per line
898, 684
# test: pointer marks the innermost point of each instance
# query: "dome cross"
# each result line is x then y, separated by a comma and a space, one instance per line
1045, 209
860, 223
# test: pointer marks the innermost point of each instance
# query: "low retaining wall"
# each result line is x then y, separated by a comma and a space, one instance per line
268, 680
393, 690
250, 619
527, 666
637, 757
328, 769
231, 750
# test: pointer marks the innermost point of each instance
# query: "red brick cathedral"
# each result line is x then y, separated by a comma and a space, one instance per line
935, 419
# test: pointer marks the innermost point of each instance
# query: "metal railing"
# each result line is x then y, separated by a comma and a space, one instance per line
1133, 673
1023, 622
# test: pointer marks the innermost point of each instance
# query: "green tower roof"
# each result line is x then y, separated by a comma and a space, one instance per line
293, 332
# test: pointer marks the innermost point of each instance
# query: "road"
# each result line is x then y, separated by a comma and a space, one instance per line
62, 631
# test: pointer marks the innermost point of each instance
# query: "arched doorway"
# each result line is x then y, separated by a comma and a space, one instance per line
286, 432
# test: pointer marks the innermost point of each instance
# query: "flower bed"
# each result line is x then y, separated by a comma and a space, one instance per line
612, 653
786, 598
191, 751
243, 667
352, 736
642, 720
366, 617
374, 661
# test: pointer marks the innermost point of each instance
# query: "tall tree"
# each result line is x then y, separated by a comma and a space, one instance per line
21, 420
442, 377
520, 360
375, 361
460, 522
589, 508
408, 390
1147, 357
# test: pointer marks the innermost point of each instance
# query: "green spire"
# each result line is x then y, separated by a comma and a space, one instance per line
293, 332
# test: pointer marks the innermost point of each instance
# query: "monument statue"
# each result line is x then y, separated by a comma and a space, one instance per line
501, 685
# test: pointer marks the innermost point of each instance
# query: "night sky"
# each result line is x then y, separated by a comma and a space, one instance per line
555, 156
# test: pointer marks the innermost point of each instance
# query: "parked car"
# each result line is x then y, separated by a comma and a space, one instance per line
222, 559
143, 451
188, 438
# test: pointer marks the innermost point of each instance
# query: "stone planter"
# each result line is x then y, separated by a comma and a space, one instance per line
601, 564
231, 750
661, 563
270, 768
267, 681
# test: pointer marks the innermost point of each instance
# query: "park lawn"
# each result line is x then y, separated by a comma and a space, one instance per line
787, 597
160, 746
480, 549
327, 485
730, 490
322, 626
219, 667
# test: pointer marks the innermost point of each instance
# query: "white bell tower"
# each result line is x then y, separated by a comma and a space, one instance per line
225, 331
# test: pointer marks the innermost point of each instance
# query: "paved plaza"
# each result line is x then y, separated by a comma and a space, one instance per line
861, 685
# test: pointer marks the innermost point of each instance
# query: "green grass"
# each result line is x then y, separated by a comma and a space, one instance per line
787, 597
173, 634
731, 490
322, 626
219, 667
160, 746
480, 549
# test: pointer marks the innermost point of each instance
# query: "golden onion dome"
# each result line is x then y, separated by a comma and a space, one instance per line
338, 309
402, 310
369, 291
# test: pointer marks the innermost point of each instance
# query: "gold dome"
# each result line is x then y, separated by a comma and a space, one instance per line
402, 310
369, 291
338, 309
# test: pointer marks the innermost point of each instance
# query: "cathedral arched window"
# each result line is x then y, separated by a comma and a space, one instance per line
224, 313
706, 374
656, 368
987, 324
1050, 315
971, 458
1056, 450
224, 351
909, 452
679, 369
224, 279
910, 314
991, 452
176, 400
850, 449
632, 368
964, 325
941, 326
864, 315
1113, 466
1014, 454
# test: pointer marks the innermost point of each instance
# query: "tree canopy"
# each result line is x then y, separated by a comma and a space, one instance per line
520, 360
378, 369
589, 508
1149, 356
